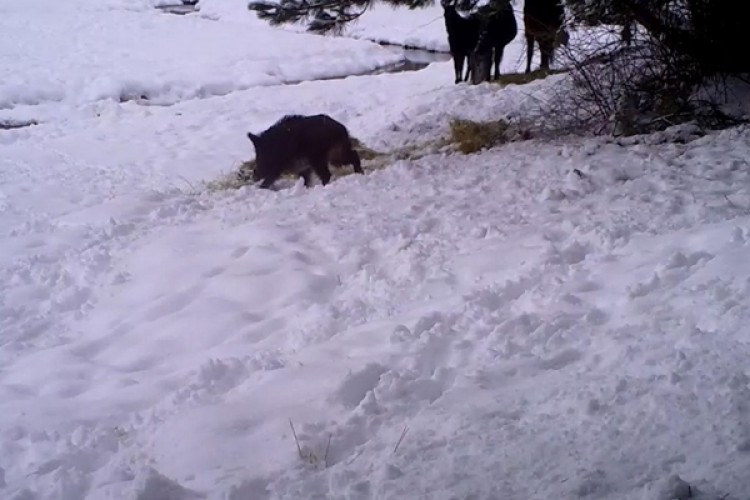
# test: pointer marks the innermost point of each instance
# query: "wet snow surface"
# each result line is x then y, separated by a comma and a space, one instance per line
512, 327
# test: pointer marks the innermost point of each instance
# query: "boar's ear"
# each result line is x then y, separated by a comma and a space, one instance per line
252, 137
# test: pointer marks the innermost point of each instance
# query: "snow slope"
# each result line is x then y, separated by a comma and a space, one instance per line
485, 326
419, 28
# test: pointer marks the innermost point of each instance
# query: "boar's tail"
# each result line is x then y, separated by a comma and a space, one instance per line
343, 154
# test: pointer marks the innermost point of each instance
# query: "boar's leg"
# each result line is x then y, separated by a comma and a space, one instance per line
353, 159
458, 65
320, 165
307, 176
268, 181
529, 51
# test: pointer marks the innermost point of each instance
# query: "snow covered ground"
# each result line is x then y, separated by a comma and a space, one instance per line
494, 326
82, 51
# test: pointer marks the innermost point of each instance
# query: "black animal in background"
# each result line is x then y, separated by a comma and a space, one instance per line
302, 145
498, 27
543, 21
463, 34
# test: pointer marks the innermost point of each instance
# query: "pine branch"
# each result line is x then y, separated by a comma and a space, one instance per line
321, 16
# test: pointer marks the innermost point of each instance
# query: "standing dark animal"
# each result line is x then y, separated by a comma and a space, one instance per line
300, 145
462, 37
543, 20
498, 28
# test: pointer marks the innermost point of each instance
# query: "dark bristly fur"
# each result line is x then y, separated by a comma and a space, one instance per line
543, 20
497, 31
462, 37
302, 145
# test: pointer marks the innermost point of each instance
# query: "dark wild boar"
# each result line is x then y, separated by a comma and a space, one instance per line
543, 21
462, 37
498, 28
300, 145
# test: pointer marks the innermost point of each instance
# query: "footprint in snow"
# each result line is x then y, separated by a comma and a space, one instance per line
239, 252
356, 385
256, 489
561, 360
173, 303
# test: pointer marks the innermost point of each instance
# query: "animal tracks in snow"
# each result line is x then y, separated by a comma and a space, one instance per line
516, 355
173, 303
515, 333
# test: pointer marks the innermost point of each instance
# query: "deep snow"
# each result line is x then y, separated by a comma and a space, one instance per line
518, 330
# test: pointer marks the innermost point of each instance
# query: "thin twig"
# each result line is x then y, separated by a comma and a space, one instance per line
188, 183
425, 24
328, 446
403, 433
299, 449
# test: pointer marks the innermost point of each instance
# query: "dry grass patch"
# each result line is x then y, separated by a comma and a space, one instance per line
470, 136
466, 136
524, 78
243, 176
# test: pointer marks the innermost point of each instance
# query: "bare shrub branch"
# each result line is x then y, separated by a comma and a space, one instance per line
657, 76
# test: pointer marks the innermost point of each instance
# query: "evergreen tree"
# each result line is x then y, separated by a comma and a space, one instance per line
708, 33
322, 16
